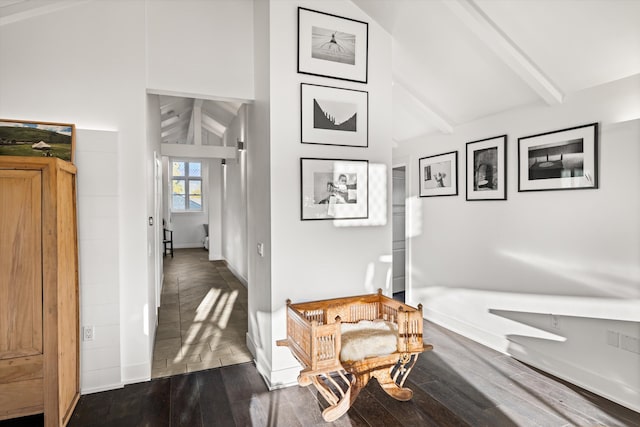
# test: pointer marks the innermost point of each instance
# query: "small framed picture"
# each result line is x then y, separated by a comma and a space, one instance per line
334, 116
486, 169
334, 189
565, 159
438, 175
37, 139
332, 46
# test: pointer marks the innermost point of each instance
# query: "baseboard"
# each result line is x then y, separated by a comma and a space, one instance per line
273, 379
188, 246
136, 373
608, 387
100, 380
235, 272
107, 387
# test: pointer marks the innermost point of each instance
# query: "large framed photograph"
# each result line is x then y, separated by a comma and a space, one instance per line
438, 175
566, 159
334, 116
37, 139
486, 169
332, 46
334, 188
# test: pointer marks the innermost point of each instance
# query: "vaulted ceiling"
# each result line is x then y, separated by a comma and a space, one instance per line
181, 117
455, 61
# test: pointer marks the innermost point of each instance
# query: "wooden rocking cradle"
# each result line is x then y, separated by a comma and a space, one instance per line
320, 332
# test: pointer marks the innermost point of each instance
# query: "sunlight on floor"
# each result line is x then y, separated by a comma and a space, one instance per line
202, 321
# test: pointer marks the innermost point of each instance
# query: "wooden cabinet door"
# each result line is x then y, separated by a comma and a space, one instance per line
21, 343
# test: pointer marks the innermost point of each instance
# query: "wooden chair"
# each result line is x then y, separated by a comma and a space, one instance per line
167, 239
314, 337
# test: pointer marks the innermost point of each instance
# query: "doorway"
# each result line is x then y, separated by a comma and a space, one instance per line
399, 232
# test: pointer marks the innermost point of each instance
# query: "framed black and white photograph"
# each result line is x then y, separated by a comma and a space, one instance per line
566, 159
334, 188
486, 169
438, 175
334, 116
332, 46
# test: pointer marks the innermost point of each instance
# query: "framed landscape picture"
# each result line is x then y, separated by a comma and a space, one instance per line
486, 169
332, 46
334, 116
438, 175
334, 189
37, 139
565, 159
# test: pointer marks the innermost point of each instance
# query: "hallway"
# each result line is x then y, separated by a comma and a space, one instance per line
202, 320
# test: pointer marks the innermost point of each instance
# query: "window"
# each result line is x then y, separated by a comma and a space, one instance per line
186, 186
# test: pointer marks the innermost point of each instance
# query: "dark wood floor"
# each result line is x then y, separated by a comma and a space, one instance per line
460, 383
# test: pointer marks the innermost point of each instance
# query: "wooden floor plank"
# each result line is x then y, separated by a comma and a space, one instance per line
185, 402
459, 384
214, 404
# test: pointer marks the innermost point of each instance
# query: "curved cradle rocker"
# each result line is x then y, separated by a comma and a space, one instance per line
341, 343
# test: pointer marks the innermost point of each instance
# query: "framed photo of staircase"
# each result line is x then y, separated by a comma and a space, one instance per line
334, 116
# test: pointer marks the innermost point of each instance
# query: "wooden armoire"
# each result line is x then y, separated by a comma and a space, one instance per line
39, 310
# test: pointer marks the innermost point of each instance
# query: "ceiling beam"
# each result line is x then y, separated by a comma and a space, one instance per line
222, 112
212, 125
482, 26
433, 116
198, 151
191, 129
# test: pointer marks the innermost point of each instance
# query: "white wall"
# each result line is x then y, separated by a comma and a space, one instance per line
215, 209
98, 83
313, 259
97, 201
98, 80
259, 194
495, 271
201, 47
234, 202
154, 238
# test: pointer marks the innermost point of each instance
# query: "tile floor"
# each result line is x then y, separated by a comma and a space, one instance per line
202, 321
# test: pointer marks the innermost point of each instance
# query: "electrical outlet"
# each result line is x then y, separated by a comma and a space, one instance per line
630, 343
88, 333
613, 338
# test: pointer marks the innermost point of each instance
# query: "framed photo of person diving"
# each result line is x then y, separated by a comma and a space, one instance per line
334, 189
334, 116
332, 46
438, 175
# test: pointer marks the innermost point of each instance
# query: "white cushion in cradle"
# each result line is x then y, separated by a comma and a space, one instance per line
367, 339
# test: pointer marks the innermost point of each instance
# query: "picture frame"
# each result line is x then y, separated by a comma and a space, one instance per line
334, 116
332, 46
564, 159
37, 139
487, 169
334, 189
438, 175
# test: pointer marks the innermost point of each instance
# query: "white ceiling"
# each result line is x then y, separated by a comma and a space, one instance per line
179, 117
467, 59
455, 61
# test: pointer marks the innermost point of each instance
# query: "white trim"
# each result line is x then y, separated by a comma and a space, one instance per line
179, 94
136, 373
236, 273
510, 53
